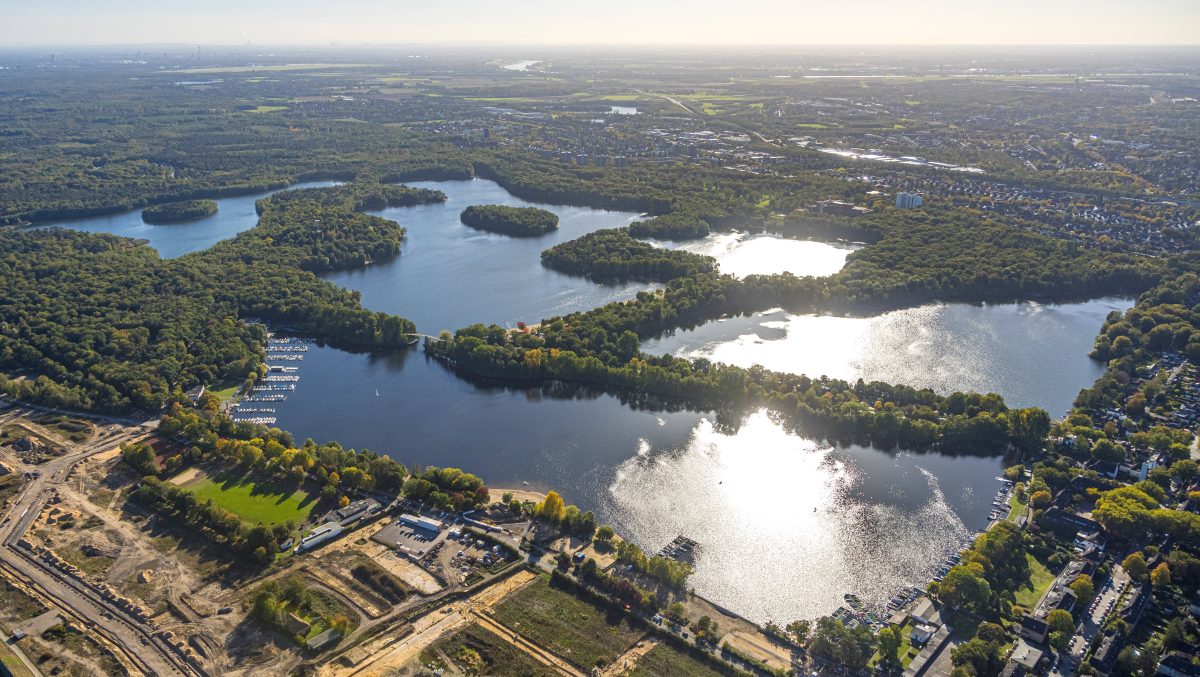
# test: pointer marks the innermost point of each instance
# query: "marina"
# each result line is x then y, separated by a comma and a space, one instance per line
276, 385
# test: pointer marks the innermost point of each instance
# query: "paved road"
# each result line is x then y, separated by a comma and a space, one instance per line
134, 639
1091, 624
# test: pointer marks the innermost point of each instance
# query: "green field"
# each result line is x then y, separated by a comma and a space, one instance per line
665, 660
579, 631
9, 660
256, 500
476, 651
1017, 507
1040, 579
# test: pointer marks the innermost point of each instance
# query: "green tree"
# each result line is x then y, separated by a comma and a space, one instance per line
1084, 588
800, 630
889, 640
1061, 621
964, 586
1135, 566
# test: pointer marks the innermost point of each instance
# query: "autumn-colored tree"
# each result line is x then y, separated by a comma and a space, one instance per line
343, 501
1040, 499
1160, 577
551, 508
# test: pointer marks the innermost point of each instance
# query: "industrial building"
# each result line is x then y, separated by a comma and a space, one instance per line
423, 523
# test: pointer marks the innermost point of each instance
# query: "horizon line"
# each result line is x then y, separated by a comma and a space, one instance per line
656, 46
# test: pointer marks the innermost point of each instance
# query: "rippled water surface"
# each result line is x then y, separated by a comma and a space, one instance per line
1033, 354
786, 525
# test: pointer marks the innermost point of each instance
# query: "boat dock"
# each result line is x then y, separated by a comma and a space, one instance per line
280, 381
681, 549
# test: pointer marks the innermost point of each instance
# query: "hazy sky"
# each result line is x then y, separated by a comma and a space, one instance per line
601, 21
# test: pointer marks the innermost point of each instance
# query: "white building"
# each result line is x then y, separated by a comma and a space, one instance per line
317, 536
423, 523
909, 200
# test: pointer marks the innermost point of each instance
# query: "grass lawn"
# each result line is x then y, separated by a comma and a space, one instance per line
253, 499
479, 652
577, 630
665, 659
1017, 505
225, 389
1040, 579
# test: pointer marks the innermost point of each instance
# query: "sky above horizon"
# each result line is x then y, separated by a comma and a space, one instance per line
1090, 22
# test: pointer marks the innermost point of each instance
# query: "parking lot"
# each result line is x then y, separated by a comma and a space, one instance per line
408, 541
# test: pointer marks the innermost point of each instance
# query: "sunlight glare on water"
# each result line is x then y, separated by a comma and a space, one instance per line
786, 526
740, 254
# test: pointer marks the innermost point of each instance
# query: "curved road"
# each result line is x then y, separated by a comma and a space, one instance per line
135, 640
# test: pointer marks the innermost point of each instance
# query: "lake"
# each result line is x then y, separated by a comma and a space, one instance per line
786, 526
740, 253
449, 275
234, 215
1031, 353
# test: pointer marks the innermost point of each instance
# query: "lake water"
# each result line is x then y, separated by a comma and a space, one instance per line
622, 110
740, 253
449, 275
521, 65
1033, 354
234, 214
786, 525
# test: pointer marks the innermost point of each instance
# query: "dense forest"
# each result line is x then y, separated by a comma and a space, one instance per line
515, 221
611, 254
673, 226
99, 322
360, 195
876, 413
179, 212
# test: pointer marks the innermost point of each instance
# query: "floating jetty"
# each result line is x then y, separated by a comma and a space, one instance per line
681, 549
260, 420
